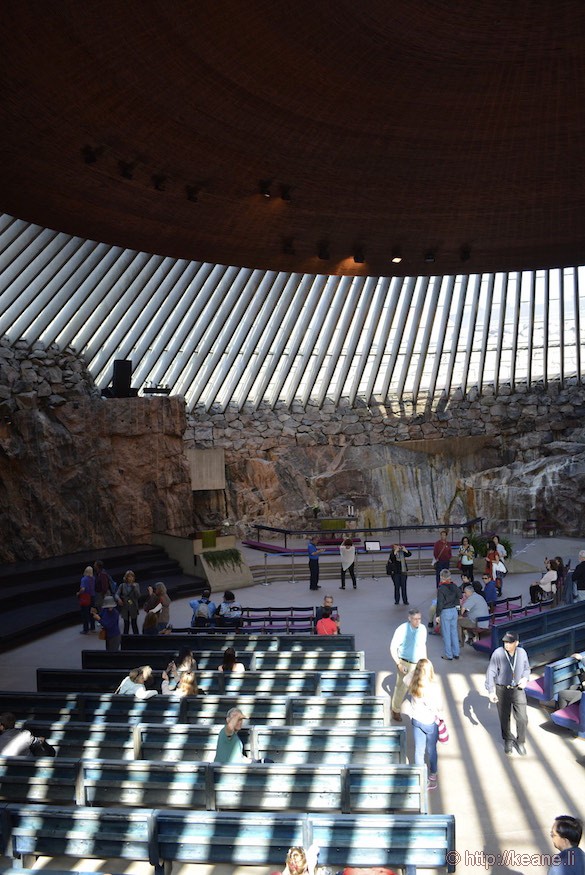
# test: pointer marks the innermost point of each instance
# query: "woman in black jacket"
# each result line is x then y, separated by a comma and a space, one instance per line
398, 571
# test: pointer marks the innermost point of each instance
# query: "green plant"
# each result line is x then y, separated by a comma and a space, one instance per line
480, 544
222, 560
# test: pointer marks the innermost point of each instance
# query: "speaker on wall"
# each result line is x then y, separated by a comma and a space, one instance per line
121, 383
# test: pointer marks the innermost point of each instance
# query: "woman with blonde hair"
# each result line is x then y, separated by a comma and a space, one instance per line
424, 706
135, 683
299, 862
186, 684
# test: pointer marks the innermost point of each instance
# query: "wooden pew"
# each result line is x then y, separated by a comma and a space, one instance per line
302, 683
532, 627
220, 640
209, 660
315, 745
345, 711
320, 744
92, 707
559, 675
166, 836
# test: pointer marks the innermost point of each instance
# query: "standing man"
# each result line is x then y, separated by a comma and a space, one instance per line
313, 552
448, 598
579, 578
442, 555
399, 571
506, 677
408, 645
566, 834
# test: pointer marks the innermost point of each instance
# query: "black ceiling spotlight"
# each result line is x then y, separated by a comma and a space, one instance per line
429, 256
91, 153
358, 255
192, 193
285, 192
396, 255
288, 247
159, 181
126, 169
323, 251
465, 253
265, 185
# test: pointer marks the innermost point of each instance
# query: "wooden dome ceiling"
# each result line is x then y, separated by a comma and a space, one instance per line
452, 131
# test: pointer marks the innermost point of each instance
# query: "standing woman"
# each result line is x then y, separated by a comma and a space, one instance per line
127, 596
164, 601
347, 553
424, 706
492, 559
399, 571
86, 598
466, 557
109, 617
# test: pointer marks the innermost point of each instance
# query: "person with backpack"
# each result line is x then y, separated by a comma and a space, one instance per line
104, 584
203, 610
229, 614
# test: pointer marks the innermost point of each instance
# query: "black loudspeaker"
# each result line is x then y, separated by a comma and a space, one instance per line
122, 378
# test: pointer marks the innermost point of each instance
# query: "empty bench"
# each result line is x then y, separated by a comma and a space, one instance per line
349, 789
220, 640
209, 660
531, 628
166, 836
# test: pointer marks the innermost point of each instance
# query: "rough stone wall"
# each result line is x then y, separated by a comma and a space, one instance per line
78, 471
510, 457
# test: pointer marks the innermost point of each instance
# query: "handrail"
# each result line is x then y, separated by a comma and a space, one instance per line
466, 525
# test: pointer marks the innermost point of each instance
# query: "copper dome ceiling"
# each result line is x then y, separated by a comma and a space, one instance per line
446, 131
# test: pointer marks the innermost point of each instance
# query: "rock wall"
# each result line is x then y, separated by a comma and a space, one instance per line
511, 457
78, 471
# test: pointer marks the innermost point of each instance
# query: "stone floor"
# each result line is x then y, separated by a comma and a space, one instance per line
504, 805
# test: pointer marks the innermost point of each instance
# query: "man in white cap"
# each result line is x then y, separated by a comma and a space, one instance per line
506, 677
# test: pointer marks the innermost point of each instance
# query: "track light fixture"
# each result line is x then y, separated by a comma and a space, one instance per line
126, 169
192, 193
91, 153
285, 192
465, 253
265, 185
159, 181
323, 251
429, 256
358, 255
396, 255
288, 246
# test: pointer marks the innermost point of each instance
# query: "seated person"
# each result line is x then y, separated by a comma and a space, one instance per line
21, 742
473, 607
230, 661
328, 603
301, 862
135, 684
490, 591
327, 625
573, 693
229, 744
229, 614
181, 685
547, 585
203, 610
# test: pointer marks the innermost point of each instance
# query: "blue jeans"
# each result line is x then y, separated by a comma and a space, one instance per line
449, 632
426, 736
440, 566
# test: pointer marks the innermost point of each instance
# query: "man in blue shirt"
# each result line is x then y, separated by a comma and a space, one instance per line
313, 552
566, 834
408, 645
